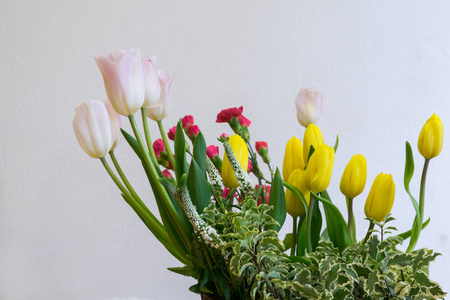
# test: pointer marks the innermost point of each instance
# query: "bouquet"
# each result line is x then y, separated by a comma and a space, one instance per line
223, 229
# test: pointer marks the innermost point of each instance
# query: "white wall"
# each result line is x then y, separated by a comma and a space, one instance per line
65, 233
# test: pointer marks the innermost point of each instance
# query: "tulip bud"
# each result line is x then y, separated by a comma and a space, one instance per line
124, 80
381, 197
151, 82
309, 106
240, 150
320, 166
312, 137
116, 122
160, 109
353, 180
431, 138
93, 128
293, 157
294, 205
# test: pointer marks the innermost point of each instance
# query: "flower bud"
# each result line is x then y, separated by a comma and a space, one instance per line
263, 151
249, 167
309, 106
171, 133
381, 197
160, 109
293, 157
240, 150
192, 132
187, 121
312, 137
124, 80
353, 180
431, 138
227, 114
151, 82
294, 205
212, 151
93, 128
320, 166
116, 122
158, 147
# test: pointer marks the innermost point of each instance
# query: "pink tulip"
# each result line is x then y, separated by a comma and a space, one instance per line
309, 106
124, 80
93, 128
151, 81
160, 109
116, 122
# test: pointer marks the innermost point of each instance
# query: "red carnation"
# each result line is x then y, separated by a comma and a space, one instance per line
158, 147
171, 133
244, 121
192, 131
212, 151
227, 114
187, 121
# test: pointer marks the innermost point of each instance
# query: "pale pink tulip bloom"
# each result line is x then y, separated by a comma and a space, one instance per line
309, 106
124, 80
160, 109
116, 122
151, 82
93, 128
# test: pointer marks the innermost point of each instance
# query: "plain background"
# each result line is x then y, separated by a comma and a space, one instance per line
383, 68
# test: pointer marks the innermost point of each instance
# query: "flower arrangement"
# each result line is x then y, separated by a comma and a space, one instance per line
223, 229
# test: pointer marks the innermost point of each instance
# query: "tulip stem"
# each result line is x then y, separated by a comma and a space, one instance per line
147, 134
134, 194
312, 202
412, 243
174, 219
351, 219
369, 232
166, 144
294, 235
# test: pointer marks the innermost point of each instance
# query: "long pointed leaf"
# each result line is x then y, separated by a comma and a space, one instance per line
277, 199
199, 152
199, 188
181, 166
409, 171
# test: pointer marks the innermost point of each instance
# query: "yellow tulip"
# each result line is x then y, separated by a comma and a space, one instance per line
240, 150
312, 136
320, 166
294, 206
293, 157
431, 137
353, 180
381, 197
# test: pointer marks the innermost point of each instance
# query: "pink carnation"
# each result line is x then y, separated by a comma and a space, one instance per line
259, 145
250, 166
212, 151
171, 133
167, 174
244, 121
227, 114
193, 130
158, 147
266, 191
225, 136
187, 120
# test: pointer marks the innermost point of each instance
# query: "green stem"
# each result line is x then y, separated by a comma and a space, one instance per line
147, 134
351, 218
371, 226
172, 213
412, 243
294, 235
166, 144
159, 233
299, 227
312, 202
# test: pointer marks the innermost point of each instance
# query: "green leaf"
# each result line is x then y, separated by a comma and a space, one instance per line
185, 270
287, 241
301, 239
181, 166
336, 144
277, 200
199, 188
401, 260
407, 234
316, 225
199, 152
133, 144
336, 226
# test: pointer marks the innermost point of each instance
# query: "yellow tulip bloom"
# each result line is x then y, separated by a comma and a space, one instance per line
294, 206
240, 150
312, 136
353, 180
431, 137
320, 166
381, 197
293, 157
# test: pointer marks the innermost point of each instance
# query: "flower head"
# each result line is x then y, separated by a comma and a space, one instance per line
381, 197
353, 180
212, 151
431, 137
187, 120
171, 133
320, 166
309, 106
151, 81
160, 109
293, 157
227, 114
